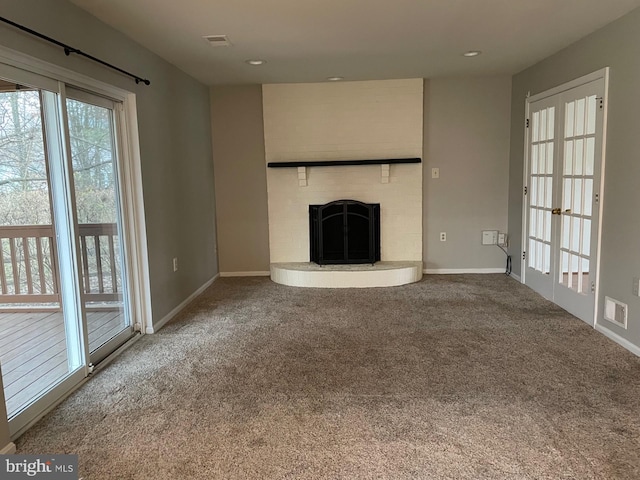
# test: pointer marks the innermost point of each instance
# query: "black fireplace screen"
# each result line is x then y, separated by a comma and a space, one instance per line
344, 231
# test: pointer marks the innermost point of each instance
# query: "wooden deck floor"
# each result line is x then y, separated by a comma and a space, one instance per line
33, 352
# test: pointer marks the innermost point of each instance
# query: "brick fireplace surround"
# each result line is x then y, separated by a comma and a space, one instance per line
345, 121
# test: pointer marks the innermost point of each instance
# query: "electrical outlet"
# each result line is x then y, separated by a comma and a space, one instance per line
636, 286
175, 264
443, 236
502, 239
435, 173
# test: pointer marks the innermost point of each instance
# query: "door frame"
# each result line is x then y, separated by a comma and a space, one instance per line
603, 74
114, 107
23, 66
131, 171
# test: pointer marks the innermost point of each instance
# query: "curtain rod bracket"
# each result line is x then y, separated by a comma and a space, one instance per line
68, 51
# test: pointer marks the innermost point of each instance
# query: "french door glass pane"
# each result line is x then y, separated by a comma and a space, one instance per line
33, 334
94, 163
577, 193
541, 182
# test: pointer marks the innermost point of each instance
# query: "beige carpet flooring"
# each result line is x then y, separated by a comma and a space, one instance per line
455, 377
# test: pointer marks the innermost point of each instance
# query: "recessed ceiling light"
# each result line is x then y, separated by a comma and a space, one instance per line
335, 79
471, 53
255, 62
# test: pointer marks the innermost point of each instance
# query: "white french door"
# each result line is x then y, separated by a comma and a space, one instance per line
540, 195
563, 195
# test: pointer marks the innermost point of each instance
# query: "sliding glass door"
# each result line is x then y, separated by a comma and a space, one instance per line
92, 138
64, 301
35, 352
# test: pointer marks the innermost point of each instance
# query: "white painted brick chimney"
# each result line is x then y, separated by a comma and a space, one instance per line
344, 121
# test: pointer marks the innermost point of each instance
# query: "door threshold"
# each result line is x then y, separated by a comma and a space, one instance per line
113, 355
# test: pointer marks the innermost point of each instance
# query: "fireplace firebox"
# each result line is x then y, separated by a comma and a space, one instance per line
344, 232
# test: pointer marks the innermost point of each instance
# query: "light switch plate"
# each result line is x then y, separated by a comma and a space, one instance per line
435, 172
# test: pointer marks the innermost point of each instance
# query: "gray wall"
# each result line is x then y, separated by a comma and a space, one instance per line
467, 137
616, 46
241, 182
175, 139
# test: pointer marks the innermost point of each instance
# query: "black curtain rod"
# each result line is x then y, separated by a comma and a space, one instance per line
69, 50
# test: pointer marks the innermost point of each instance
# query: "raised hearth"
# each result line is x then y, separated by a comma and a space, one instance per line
382, 274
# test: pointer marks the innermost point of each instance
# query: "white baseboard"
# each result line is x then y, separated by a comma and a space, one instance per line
9, 449
259, 273
516, 277
458, 271
158, 325
635, 349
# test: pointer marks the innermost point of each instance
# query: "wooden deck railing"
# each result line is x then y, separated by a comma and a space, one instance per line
99, 248
29, 272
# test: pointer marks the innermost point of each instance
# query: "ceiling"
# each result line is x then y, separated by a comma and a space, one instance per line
310, 40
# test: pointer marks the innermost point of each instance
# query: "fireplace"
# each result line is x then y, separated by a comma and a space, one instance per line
344, 232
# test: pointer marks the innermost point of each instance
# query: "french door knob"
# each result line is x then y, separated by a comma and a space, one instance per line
558, 211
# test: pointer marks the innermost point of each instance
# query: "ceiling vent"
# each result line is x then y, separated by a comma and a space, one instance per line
217, 40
